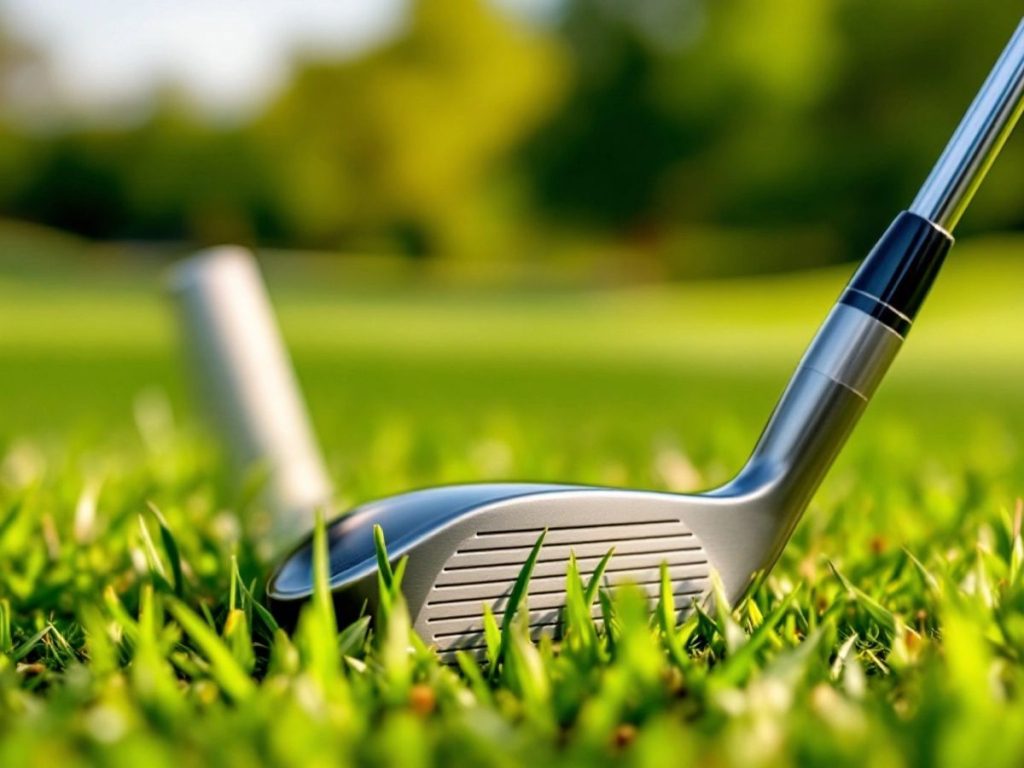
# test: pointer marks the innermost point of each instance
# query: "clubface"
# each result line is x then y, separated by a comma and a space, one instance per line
466, 545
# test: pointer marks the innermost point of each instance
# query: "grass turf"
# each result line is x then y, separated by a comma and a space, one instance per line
891, 631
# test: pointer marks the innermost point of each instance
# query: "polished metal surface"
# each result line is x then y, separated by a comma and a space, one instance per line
833, 383
408, 519
484, 567
853, 349
976, 142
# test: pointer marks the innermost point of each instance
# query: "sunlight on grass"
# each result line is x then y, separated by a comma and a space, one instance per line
131, 618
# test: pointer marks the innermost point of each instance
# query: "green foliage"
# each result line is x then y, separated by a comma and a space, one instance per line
404, 145
791, 115
399, 150
692, 136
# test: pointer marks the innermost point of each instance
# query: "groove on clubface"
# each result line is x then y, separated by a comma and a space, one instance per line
485, 565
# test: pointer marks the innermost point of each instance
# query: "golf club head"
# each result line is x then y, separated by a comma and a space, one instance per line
467, 543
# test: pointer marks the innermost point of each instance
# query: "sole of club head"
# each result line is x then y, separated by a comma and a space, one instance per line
467, 544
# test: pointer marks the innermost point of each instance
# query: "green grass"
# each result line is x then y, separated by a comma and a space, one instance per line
131, 568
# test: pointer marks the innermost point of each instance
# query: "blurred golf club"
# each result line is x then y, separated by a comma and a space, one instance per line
247, 385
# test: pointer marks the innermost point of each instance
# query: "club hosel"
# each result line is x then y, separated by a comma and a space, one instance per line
844, 365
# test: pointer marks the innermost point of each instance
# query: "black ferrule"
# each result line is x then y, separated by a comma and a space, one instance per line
895, 278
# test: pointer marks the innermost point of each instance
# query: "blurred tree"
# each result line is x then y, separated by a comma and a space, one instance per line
75, 185
211, 183
908, 72
664, 92
405, 141
741, 113
599, 160
170, 177
710, 136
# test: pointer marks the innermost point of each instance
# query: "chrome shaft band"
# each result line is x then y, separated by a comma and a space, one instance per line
853, 349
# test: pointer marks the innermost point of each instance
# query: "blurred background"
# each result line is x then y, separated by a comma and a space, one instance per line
679, 137
502, 235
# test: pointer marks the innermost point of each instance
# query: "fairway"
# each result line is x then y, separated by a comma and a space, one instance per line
898, 596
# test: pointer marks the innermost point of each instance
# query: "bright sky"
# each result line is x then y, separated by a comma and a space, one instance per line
229, 52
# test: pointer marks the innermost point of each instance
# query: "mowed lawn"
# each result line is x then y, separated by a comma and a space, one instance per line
576, 383
84, 330
415, 378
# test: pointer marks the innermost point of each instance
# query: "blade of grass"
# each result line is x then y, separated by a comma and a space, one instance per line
518, 592
608, 618
322, 600
26, 647
595, 578
471, 671
492, 636
667, 618
6, 638
732, 633
353, 637
128, 626
239, 639
156, 566
580, 634
882, 615
224, 668
741, 662
171, 548
383, 564
318, 627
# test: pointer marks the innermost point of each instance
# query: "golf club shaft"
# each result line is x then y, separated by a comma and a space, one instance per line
976, 142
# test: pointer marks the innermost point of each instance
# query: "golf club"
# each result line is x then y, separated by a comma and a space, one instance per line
247, 384
466, 544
